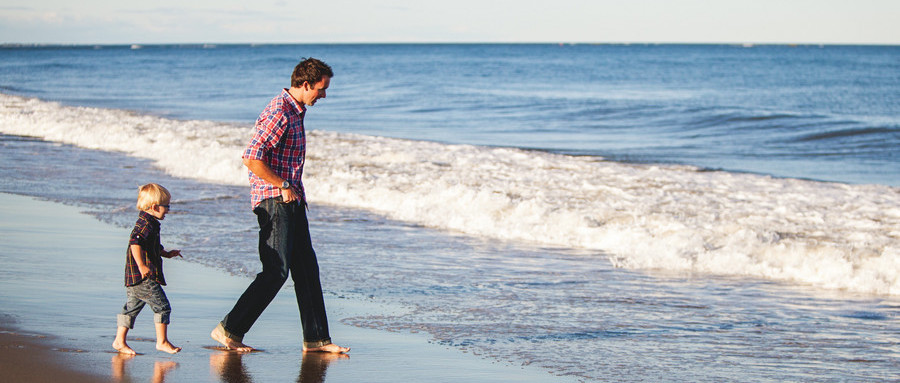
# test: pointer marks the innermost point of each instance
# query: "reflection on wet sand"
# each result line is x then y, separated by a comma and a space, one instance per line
160, 368
118, 366
312, 369
229, 367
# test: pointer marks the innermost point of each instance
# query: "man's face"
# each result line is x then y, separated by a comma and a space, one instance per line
313, 92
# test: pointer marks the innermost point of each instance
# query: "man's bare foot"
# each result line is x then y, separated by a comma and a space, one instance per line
218, 334
331, 347
123, 348
168, 347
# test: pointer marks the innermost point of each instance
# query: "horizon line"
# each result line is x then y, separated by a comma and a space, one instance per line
561, 43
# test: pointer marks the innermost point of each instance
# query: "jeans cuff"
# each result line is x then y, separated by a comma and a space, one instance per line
161, 318
317, 344
231, 335
125, 321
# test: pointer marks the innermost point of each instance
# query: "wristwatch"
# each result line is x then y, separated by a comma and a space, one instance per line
285, 185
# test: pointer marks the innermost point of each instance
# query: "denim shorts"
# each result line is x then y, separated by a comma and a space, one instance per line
148, 292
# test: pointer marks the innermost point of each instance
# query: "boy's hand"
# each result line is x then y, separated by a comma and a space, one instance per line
144, 270
173, 254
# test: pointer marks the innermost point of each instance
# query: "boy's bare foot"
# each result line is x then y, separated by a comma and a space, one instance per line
168, 347
218, 334
123, 348
331, 347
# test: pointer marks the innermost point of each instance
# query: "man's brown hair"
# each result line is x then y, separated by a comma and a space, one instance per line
310, 70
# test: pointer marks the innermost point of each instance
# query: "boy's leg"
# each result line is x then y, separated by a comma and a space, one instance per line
125, 320
153, 295
133, 306
119, 343
162, 339
156, 298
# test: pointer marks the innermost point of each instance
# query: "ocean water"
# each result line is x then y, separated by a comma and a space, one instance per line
817, 112
687, 213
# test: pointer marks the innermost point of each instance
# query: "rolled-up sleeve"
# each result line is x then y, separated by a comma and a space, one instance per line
267, 134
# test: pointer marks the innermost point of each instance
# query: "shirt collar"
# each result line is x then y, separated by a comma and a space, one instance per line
149, 217
299, 106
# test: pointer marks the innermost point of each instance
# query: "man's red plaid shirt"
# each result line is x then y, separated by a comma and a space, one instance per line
279, 140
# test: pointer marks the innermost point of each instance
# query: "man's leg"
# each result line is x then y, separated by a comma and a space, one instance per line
308, 288
274, 229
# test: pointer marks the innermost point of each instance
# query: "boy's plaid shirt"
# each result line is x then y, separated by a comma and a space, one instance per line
279, 140
145, 234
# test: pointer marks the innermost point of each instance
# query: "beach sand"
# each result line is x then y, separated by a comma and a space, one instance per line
61, 286
31, 358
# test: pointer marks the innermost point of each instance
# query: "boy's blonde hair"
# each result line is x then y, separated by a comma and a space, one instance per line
152, 194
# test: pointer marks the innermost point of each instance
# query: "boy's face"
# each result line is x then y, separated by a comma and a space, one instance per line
159, 211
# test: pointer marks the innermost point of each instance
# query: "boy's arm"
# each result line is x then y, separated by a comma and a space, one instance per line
139, 260
172, 254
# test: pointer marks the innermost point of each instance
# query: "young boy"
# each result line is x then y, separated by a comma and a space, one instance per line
143, 270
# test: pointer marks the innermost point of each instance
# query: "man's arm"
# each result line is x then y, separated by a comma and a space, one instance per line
262, 170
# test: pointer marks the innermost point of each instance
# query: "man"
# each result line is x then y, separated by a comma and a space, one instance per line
275, 158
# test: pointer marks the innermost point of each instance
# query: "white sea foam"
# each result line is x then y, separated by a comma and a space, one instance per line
664, 217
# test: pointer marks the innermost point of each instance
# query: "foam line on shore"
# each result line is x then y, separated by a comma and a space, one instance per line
665, 217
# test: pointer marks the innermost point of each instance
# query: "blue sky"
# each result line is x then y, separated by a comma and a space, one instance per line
341, 21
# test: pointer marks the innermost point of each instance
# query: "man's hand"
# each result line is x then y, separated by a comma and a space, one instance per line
262, 170
288, 195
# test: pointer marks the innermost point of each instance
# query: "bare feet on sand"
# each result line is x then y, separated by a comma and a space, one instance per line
168, 347
333, 348
123, 348
218, 334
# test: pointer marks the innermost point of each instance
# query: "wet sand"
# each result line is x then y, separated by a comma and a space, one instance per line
31, 358
61, 287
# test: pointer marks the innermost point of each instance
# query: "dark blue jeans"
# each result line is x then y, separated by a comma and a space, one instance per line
284, 248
